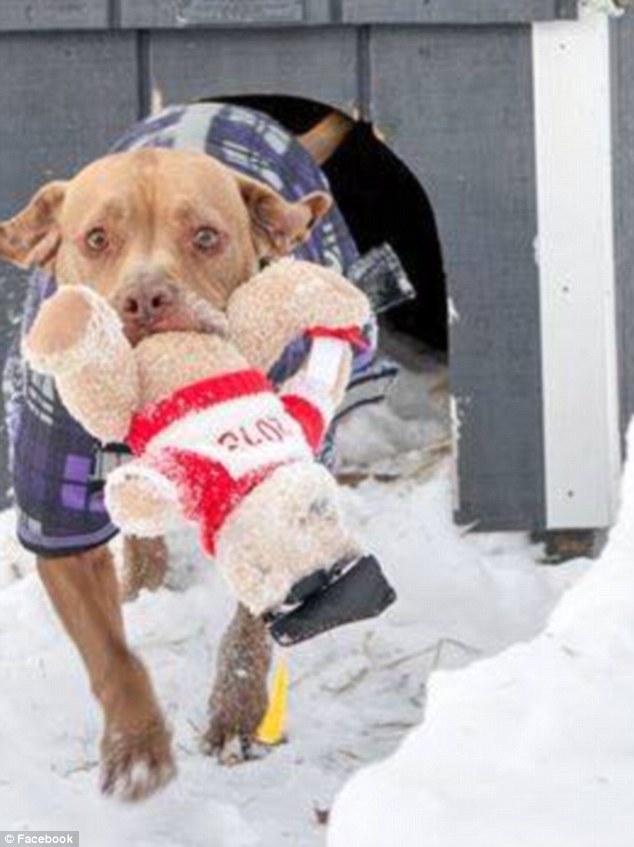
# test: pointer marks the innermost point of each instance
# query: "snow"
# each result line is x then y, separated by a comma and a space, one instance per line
610, 7
355, 693
531, 748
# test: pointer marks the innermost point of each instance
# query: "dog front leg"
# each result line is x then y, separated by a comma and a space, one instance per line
145, 562
239, 697
136, 756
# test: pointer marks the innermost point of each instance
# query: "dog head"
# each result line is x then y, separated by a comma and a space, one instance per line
164, 235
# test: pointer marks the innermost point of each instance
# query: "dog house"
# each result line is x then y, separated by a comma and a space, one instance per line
516, 117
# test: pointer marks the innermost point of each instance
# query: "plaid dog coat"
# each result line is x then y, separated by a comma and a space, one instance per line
58, 469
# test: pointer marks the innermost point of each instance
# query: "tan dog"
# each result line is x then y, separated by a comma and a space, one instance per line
159, 233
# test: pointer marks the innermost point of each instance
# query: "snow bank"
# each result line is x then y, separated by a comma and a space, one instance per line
531, 748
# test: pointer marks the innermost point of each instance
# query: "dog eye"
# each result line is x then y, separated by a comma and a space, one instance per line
97, 239
206, 238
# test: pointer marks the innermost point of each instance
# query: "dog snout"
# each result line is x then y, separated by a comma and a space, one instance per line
147, 303
150, 301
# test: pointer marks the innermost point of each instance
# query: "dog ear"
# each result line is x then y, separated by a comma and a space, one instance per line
32, 237
279, 225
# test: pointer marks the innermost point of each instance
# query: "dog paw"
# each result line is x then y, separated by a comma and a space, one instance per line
134, 766
231, 745
236, 714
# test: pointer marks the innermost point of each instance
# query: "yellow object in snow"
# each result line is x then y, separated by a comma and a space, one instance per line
271, 730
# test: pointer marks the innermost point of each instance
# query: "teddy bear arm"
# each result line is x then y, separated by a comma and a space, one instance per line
334, 377
77, 339
285, 300
312, 395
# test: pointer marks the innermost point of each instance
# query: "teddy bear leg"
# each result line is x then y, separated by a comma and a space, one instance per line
287, 528
287, 555
141, 501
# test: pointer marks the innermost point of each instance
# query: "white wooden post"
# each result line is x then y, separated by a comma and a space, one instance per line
575, 253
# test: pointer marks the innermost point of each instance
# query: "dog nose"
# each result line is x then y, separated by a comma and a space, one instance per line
148, 303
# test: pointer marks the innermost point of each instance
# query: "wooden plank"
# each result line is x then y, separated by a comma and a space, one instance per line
60, 120
223, 13
622, 38
456, 105
457, 11
575, 250
54, 14
317, 64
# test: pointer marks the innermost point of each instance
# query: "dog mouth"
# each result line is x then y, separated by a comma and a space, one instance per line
189, 313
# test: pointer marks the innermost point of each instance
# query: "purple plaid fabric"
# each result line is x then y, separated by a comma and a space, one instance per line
58, 468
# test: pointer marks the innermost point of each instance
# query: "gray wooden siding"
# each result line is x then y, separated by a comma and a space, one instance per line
180, 13
311, 63
456, 11
456, 104
54, 14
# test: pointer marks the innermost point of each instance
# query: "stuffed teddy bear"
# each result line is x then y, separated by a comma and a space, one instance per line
216, 444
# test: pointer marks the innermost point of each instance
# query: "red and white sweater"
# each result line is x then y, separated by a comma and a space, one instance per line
217, 439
